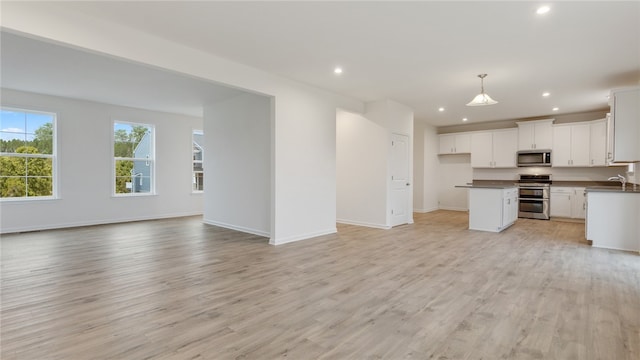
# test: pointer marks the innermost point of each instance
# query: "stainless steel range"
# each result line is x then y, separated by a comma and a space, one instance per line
534, 196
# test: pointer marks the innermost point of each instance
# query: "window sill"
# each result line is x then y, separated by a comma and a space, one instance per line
134, 195
28, 199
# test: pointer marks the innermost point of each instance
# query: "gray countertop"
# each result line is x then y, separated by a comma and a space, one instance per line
488, 186
614, 189
590, 186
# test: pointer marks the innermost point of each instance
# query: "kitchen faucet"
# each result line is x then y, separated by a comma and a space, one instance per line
620, 178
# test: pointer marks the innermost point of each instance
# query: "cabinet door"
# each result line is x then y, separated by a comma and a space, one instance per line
505, 147
543, 136
578, 203
482, 150
580, 145
560, 203
525, 136
463, 143
625, 112
506, 210
561, 155
447, 143
598, 143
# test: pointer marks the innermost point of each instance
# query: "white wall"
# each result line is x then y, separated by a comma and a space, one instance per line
418, 165
303, 129
426, 173
454, 170
363, 158
361, 170
237, 156
84, 156
397, 119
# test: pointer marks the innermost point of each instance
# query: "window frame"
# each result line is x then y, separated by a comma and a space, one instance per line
152, 159
193, 162
53, 156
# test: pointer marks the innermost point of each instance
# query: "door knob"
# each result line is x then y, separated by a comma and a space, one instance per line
408, 184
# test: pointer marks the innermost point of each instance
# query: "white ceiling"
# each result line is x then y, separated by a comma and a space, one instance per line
422, 54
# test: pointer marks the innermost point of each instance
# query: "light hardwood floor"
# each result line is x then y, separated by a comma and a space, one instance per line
179, 289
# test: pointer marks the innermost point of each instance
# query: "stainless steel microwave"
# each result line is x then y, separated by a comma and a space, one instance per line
534, 158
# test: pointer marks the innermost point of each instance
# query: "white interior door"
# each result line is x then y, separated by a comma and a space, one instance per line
400, 184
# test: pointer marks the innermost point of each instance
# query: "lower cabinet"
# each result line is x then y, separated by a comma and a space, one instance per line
492, 209
612, 220
567, 202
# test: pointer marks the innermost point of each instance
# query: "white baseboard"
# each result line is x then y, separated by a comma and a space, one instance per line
425, 210
614, 248
93, 222
453, 208
362, 223
306, 236
237, 228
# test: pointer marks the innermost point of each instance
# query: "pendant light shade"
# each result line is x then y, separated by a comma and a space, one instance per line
482, 98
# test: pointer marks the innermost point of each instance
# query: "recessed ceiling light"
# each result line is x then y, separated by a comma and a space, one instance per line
555, 109
337, 70
441, 109
543, 10
545, 94
464, 119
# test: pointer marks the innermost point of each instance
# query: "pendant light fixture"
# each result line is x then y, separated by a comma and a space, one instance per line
482, 98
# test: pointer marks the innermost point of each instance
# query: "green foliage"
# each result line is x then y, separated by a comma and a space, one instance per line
123, 175
26, 176
10, 146
44, 139
126, 142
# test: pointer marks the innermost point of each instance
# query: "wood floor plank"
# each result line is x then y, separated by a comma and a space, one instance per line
180, 289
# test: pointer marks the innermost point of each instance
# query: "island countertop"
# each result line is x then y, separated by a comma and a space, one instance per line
489, 184
629, 189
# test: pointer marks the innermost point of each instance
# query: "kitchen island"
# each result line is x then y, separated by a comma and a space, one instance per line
613, 217
492, 207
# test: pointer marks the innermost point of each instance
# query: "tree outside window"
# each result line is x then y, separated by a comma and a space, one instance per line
133, 158
27, 154
198, 171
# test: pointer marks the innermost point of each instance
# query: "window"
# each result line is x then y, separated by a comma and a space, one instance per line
27, 154
198, 173
133, 152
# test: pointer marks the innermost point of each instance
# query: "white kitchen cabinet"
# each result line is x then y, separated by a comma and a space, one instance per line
612, 220
567, 202
455, 143
492, 209
494, 149
578, 203
571, 145
598, 143
624, 127
534, 135
509, 206
560, 202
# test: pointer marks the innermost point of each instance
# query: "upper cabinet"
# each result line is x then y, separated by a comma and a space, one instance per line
494, 149
598, 143
624, 127
455, 143
571, 146
535, 135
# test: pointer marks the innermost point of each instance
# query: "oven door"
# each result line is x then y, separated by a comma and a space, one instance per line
534, 192
534, 208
